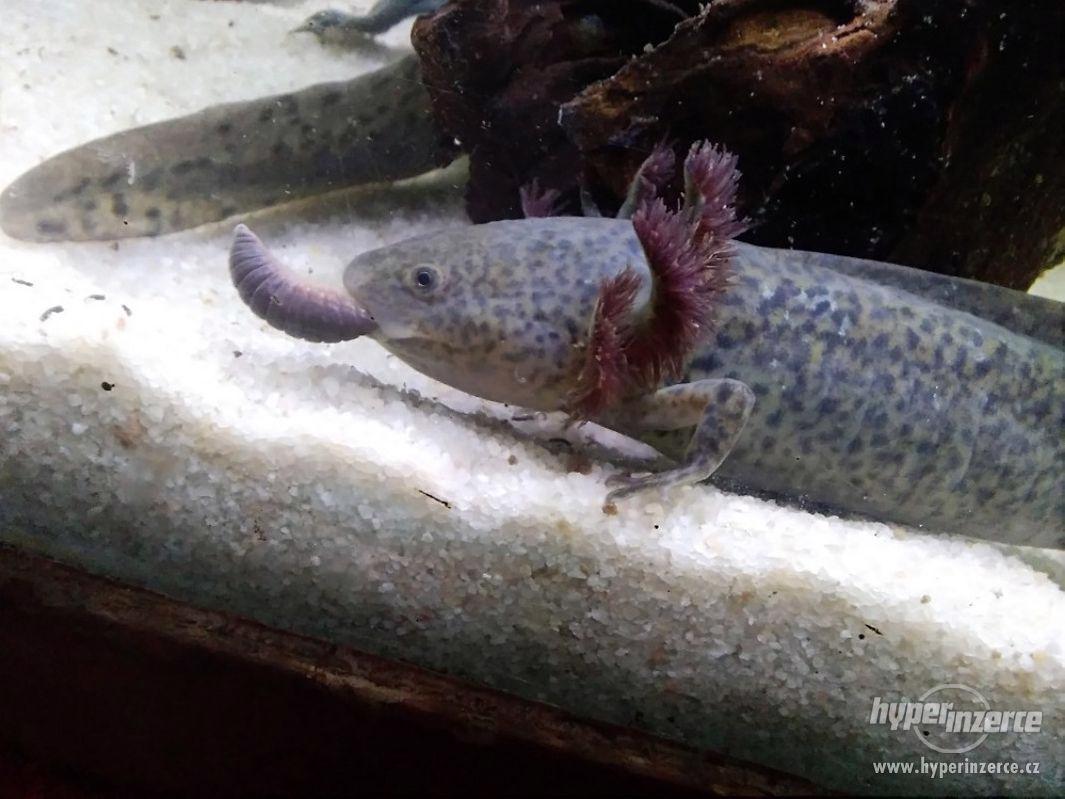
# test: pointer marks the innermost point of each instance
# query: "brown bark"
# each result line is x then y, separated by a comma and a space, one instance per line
924, 131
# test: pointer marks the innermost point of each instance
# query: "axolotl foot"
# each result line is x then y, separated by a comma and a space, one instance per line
717, 408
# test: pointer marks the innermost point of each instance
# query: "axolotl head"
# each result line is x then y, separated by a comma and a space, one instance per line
500, 310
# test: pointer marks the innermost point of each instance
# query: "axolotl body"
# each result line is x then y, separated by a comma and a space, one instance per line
777, 373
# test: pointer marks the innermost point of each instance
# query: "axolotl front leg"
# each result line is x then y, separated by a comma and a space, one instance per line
717, 409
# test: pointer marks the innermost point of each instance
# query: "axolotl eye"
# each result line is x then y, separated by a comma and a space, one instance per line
425, 279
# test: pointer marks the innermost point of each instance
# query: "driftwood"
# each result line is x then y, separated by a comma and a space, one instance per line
928, 132
147, 694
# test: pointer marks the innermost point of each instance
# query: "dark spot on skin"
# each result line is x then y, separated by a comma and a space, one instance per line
112, 179
96, 297
224, 128
879, 314
127, 310
288, 103
828, 406
821, 308
775, 418
266, 114
187, 166
725, 341
1041, 409
153, 213
884, 382
330, 98
981, 369
706, 364
118, 205
21, 282
74, 192
792, 398
150, 181
89, 205
731, 300
53, 310
51, 227
854, 446
107, 386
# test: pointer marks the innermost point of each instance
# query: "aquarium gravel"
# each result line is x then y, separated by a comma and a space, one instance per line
153, 430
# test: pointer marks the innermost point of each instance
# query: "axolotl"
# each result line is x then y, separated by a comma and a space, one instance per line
801, 377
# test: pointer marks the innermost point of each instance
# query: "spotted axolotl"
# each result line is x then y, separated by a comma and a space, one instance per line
765, 367
239, 156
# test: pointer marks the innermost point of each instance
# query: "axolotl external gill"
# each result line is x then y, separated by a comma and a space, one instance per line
786, 373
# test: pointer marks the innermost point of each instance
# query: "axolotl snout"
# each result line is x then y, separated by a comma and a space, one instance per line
758, 366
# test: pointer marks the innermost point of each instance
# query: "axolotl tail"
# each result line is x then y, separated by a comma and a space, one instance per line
229, 158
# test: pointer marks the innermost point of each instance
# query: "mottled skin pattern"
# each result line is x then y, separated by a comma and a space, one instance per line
240, 156
509, 313
857, 396
1026, 314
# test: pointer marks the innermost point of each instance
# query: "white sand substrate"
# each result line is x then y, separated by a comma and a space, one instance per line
332, 491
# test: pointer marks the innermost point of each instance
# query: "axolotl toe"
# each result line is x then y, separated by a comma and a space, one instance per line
758, 366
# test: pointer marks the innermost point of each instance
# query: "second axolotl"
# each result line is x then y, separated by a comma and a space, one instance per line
854, 386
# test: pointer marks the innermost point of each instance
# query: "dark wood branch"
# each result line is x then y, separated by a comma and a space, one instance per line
923, 131
146, 693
